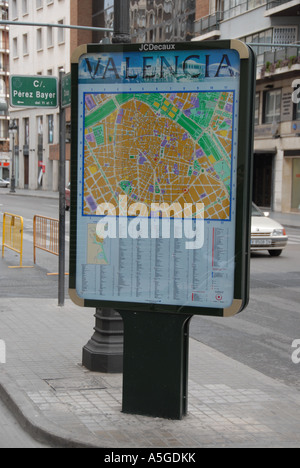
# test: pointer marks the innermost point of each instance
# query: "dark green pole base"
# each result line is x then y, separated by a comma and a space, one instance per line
104, 351
155, 367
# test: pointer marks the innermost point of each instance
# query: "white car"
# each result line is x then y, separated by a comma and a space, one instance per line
4, 183
267, 234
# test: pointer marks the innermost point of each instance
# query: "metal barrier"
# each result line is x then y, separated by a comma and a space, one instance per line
45, 235
12, 238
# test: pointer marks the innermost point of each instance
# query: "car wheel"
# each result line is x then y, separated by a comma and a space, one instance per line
275, 253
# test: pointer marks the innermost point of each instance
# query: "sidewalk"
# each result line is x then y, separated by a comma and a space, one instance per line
287, 219
230, 405
30, 193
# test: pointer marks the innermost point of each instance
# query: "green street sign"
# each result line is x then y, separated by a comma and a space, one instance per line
66, 91
34, 91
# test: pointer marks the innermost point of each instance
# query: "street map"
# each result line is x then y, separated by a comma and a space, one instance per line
159, 147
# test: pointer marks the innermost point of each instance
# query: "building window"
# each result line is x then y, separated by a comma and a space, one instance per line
61, 33
26, 131
25, 44
39, 4
14, 9
3, 130
234, 8
264, 37
25, 7
50, 129
49, 37
39, 39
15, 48
2, 87
272, 106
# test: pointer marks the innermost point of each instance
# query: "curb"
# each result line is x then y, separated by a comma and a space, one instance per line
35, 425
39, 194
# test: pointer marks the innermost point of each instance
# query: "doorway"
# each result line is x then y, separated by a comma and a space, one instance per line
263, 179
26, 171
296, 185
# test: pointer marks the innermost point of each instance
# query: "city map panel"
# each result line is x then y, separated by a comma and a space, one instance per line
157, 154
159, 147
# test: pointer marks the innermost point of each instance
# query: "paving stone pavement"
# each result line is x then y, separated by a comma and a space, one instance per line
56, 399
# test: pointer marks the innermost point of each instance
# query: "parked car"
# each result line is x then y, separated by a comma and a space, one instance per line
267, 234
68, 197
4, 183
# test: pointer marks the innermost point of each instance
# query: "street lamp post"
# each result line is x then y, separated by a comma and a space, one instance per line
13, 129
104, 351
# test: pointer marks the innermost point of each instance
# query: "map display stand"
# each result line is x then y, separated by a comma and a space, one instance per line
161, 179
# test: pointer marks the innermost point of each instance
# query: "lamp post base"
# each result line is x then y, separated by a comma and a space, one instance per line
104, 351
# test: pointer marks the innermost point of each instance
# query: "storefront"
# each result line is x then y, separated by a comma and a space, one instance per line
4, 168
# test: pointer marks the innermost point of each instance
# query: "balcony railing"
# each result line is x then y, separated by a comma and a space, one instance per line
242, 7
276, 3
281, 59
209, 23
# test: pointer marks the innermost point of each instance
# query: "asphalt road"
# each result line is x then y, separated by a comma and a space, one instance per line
33, 282
261, 337
11, 434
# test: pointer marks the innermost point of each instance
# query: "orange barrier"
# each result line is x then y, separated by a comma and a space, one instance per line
13, 227
45, 235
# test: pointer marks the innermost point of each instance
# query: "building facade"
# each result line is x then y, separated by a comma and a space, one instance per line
4, 94
38, 51
277, 116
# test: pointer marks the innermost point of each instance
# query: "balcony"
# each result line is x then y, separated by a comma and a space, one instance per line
281, 61
283, 8
209, 26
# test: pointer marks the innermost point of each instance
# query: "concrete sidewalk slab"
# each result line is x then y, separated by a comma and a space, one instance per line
230, 404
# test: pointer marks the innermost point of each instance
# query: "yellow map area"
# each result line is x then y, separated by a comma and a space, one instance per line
159, 147
95, 254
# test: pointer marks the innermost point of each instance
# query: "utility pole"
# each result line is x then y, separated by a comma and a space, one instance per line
104, 351
13, 130
62, 195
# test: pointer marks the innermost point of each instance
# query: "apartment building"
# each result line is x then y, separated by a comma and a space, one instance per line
4, 94
277, 117
151, 20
